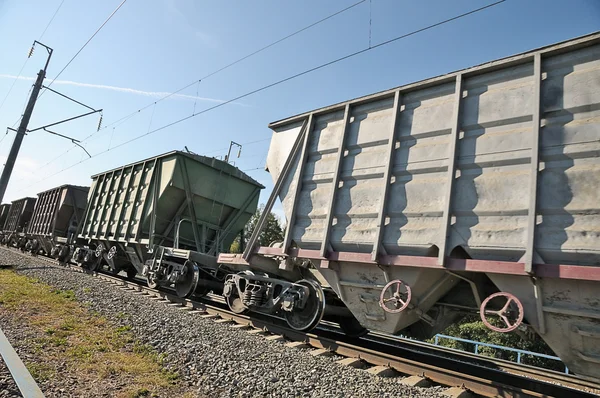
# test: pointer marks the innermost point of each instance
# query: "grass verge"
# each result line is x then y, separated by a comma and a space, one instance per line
63, 336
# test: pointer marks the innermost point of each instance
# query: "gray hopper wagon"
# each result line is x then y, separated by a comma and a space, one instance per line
473, 192
166, 217
19, 215
55, 218
16, 222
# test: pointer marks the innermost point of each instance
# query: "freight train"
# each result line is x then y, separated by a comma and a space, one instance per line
471, 192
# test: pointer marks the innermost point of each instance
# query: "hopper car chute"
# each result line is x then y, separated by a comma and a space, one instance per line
472, 192
167, 218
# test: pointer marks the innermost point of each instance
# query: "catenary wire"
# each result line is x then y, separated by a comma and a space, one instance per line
274, 84
51, 20
85, 44
27, 59
127, 117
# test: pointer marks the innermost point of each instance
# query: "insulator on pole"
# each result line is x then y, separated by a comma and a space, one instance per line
31, 51
100, 122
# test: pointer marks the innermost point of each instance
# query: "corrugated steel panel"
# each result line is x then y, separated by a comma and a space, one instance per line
19, 215
463, 151
142, 202
58, 211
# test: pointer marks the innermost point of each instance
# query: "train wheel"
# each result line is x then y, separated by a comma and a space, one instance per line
308, 317
152, 284
236, 304
186, 284
351, 327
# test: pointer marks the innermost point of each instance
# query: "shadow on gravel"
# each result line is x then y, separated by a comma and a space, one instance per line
27, 268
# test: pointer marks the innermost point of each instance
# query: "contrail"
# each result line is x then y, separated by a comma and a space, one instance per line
153, 94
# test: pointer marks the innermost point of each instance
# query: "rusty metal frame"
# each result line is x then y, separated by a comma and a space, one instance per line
451, 176
562, 271
535, 155
336, 180
276, 189
37, 216
58, 194
391, 148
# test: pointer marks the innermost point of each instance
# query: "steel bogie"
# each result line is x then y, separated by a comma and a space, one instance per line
301, 303
187, 272
85, 257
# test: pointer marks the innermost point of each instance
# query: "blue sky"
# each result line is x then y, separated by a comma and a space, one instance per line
157, 46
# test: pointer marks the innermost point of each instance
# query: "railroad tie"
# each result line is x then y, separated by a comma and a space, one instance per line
321, 352
297, 344
352, 362
382, 371
415, 381
275, 337
457, 392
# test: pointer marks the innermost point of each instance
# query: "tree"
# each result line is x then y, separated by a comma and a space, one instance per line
272, 230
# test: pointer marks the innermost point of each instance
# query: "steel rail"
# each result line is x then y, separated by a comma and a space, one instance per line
18, 370
482, 376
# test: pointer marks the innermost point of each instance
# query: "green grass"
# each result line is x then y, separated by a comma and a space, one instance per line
92, 347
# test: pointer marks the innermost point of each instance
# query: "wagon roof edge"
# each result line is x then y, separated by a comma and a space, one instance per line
580, 41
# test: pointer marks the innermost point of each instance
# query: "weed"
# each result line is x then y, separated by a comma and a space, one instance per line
89, 345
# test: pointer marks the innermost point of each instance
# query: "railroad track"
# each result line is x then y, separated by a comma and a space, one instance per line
422, 364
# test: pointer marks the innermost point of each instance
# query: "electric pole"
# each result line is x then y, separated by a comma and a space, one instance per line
14, 150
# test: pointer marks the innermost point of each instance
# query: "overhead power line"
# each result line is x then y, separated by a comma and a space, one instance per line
85, 44
305, 72
27, 59
51, 20
197, 81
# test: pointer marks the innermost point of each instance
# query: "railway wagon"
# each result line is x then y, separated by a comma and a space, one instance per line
19, 215
55, 218
471, 192
167, 218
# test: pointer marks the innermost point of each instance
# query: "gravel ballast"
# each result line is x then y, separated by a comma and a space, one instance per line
8, 387
218, 360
